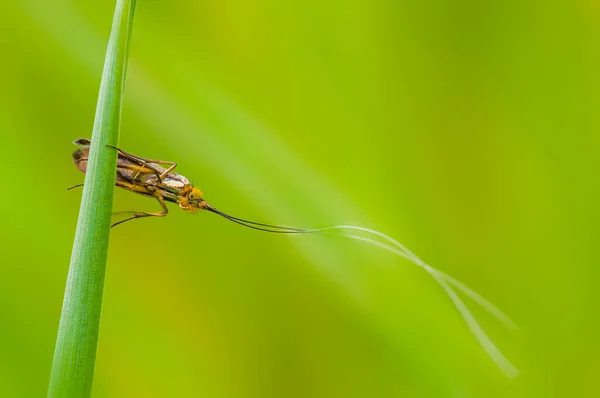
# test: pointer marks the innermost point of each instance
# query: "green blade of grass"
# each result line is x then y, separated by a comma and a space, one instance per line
75, 352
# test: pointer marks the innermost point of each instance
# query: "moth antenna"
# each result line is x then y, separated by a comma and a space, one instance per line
254, 225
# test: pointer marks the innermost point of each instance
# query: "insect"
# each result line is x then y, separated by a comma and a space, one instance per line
150, 178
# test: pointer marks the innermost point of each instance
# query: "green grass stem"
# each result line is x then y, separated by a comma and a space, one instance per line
75, 352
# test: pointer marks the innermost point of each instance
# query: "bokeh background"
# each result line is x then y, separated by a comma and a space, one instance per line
468, 130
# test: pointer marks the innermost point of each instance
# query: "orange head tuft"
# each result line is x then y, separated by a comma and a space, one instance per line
191, 199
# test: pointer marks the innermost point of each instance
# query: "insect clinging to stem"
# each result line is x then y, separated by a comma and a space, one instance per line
150, 178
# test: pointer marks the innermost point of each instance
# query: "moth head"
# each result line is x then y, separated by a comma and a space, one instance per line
191, 199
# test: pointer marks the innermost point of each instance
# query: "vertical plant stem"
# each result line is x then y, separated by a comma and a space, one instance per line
75, 352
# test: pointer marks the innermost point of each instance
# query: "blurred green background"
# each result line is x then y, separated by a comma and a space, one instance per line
468, 130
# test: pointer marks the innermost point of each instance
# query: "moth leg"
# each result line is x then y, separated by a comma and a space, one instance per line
169, 170
127, 154
135, 188
135, 215
118, 183
139, 169
140, 161
147, 163
144, 160
130, 187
